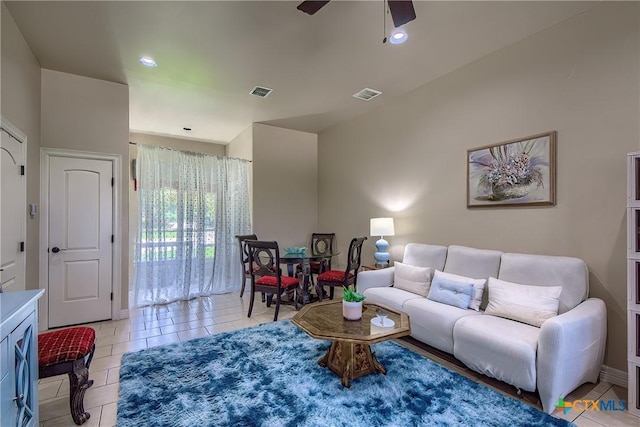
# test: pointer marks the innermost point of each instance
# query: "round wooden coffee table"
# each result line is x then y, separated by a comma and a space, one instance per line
350, 354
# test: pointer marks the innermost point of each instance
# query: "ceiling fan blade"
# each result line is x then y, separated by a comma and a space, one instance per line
311, 7
402, 11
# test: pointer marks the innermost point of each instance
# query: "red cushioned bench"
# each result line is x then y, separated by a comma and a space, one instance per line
69, 351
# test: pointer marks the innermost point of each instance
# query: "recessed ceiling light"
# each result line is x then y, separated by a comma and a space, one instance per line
148, 61
398, 37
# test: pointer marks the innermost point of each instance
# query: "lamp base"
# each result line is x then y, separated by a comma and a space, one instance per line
382, 256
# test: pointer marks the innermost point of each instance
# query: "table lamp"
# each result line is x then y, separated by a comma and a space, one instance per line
382, 227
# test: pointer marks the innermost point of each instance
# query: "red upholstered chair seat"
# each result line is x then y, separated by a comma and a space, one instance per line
333, 276
315, 267
65, 345
286, 281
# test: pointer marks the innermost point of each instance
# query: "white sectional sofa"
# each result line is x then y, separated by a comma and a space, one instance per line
562, 352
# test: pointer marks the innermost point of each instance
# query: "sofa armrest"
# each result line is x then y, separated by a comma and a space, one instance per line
375, 279
570, 350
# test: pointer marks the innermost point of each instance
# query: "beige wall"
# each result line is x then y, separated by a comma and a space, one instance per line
407, 160
285, 185
241, 146
80, 113
163, 141
20, 94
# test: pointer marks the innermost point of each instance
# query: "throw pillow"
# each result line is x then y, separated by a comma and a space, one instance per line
450, 291
478, 287
523, 303
411, 278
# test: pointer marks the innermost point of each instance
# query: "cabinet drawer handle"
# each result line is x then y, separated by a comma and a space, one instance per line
20, 398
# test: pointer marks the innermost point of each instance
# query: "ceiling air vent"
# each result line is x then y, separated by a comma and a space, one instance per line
260, 91
367, 94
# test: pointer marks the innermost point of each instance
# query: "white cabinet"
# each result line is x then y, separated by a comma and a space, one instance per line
633, 281
19, 358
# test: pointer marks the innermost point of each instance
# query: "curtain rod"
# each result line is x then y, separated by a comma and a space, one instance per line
246, 160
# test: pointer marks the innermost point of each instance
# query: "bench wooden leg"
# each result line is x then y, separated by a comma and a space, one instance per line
78, 384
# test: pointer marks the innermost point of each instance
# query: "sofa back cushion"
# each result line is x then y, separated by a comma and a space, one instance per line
544, 270
471, 262
425, 255
412, 278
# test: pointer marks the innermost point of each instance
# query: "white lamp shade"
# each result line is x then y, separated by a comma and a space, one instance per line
382, 227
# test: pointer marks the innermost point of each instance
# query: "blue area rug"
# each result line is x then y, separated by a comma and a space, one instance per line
268, 376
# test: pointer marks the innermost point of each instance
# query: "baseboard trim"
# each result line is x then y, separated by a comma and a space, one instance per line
614, 376
124, 314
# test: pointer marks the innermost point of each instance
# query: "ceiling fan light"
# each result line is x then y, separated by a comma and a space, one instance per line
398, 37
148, 61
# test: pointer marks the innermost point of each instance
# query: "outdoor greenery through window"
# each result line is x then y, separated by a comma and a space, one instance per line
165, 240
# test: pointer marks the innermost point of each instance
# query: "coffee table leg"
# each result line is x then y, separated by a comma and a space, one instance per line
377, 365
346, 375
324, 359
351, 359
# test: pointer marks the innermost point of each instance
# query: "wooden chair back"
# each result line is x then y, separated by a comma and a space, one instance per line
244, 258
322, 243
264, 258
354, 258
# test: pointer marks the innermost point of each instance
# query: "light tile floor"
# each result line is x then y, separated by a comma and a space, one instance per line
181, 321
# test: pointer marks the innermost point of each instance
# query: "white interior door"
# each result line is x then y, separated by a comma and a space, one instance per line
80, 240
13, 213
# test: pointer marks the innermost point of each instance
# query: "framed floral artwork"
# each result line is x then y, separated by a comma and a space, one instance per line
520, 172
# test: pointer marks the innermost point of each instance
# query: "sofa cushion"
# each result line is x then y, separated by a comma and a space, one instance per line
412, 278
544, 270
425, 255
450, 291
472, 262
499, 348
523, 303
478, 287
432, 322
393, 297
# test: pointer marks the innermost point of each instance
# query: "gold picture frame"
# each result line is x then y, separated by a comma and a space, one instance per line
519, 172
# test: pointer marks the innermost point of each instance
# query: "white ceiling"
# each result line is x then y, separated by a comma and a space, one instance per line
210, 54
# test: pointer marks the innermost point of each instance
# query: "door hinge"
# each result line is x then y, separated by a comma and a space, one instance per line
113, 181
112, 238
111, 296
21, 169
21, 246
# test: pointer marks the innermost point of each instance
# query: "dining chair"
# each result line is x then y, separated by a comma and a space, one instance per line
266, 275
333, 278
244, 258
321, 243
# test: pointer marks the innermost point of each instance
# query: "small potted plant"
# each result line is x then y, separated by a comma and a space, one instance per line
352, 303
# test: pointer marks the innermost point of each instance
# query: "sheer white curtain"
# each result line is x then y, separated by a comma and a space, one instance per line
191, 208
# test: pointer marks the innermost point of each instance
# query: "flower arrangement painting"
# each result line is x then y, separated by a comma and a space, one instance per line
513, 173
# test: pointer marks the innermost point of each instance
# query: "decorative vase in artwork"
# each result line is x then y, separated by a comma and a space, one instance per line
503, 192
352, 310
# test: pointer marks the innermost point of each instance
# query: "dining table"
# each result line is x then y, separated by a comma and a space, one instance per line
304, 259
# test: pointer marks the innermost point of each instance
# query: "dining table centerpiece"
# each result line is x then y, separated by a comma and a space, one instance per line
352, 303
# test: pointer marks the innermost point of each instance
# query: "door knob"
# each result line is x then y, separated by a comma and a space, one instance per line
55, 249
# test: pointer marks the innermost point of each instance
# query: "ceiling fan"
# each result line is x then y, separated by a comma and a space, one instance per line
402, 11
